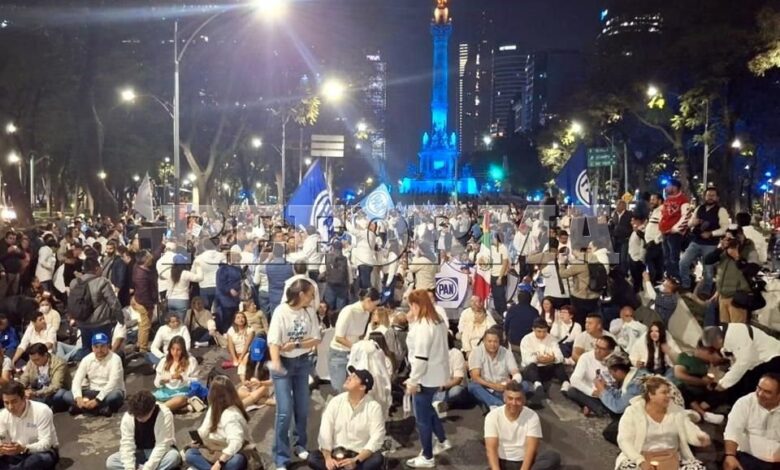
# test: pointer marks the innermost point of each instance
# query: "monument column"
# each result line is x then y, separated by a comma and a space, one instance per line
441, 30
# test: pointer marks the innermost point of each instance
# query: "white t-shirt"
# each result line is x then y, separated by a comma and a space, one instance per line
239, 338
293, 325
457, 364
512, 434
351, 324
587, 342
7, 364
497, 257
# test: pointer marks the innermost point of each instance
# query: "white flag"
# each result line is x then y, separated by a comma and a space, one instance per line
143, 200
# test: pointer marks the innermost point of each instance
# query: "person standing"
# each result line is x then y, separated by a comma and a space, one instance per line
351, 326
499, 268
228, 294
654, 256
673, 225
294, 332
620, 229
145, 295
429, 359
47, 261
708, 225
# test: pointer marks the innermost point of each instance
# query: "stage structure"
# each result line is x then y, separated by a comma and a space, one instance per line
437, 171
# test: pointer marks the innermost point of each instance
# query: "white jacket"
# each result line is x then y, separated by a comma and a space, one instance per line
164, 439
232, 430
632, 432
44, 270
366, 355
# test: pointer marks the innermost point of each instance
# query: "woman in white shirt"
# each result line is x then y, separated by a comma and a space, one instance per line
547, 311
224, 431
293, 335
565, 330
657, 351
429, 358
239, 337
174, 375
654, 433
179, 285
47, 260
165, 333
52, 316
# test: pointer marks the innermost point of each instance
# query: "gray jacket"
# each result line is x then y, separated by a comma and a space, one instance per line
108, 310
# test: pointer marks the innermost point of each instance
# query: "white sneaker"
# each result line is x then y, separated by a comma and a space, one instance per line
302, 453
713, 418
421, 462
439, 447
565, 387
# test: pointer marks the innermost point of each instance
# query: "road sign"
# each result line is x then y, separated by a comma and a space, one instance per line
601, 157
331, 146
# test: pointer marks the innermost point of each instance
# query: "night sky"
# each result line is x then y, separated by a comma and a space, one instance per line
400, 29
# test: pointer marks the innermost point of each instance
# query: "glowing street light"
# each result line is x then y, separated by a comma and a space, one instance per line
555, 145
11, 128
334, 90
127, 95
136, 178
258, 185
736, 144
191, 177
777, 182
487, 140
576, 128
270, 9
653, 91
362, 126
369, 180
358, 146
14, 158
102, 175
307, 161
256, 142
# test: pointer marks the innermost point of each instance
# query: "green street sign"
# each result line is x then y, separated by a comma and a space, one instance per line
601, 157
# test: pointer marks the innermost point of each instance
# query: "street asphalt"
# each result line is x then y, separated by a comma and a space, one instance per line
86, 442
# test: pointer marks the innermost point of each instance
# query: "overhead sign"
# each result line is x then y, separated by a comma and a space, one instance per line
327, 146
601, 157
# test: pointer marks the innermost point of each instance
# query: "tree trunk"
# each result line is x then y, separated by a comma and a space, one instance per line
20, 199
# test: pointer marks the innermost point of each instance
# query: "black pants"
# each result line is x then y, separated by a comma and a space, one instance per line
749, 462
545, 460
534, 373
582, 307
654, 258
46, 460
523, 269
317, 461
637, 268
499, 294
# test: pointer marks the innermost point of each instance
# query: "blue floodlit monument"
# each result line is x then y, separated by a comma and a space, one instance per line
437, 172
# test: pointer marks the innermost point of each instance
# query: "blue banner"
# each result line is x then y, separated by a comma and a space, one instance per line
311, 204
377, 204
573, 178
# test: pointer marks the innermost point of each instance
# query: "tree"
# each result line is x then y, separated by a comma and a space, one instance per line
769, 34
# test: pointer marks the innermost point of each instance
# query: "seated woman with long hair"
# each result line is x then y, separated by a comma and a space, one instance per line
174, 374
224, 430
239, 337
257, 389
200, 321
657, 352
655, 434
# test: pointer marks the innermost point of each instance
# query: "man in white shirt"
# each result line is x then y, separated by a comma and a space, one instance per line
147, 436
491, 367
590, 367
98, 385
654, 258
627, 329
452, 393
164, 265
36, 332
513, 434
586, 341
29, 439
311, 252
752, 435
352, 429
351, 325
473, 323
499, 267
637, 251
209, 262
542, 358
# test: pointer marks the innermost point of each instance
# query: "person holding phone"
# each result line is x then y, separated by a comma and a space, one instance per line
29, 439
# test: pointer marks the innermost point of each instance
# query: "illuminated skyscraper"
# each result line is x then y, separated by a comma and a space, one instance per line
510, 82
474, 81
376, 97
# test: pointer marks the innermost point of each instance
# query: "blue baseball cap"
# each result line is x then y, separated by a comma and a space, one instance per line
99, 338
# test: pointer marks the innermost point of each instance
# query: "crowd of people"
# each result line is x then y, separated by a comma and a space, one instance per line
604, 314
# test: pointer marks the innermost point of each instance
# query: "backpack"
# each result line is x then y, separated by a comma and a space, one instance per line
337, 273
598, 278
80, 305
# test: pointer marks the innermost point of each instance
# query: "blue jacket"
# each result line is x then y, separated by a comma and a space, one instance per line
617, 399
278, 270
228, 277
519, 322
9, 339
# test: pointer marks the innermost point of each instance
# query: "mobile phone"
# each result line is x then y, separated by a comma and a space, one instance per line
196, 438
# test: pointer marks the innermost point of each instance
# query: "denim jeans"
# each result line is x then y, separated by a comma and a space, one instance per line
207, 294
178, 307
67, 352
56, 402
194, 459
336, 297
487, 397
337, 367
39, 461
672, 245
292, 401
364, 276
455, 396
428, 422
113, 401
499, 294
593, 403
693, 253
170, 461
153, 360
86, 339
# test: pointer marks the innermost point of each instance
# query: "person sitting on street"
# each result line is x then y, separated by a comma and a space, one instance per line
46, 378
491, 367
565, 330
98, 385
513, 434
697, 385
628, 383
7, 368
589, 368
36, 332
519, 322
542, 359
656, 352
173, 375
752, 435
147, 436
626, 329
9, 339
27, 428
165, 333
752, 353
352, 429
473, 323
453, 393
239, 337
587, 340
654, 433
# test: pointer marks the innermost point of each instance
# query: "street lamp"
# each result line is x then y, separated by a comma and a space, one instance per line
258, 185
362, 127
270, 9
191, 177
14, 158
307, 161
736, 144
653, 91
136, 178
487, 140
256, 142
576, 128
334, 90
127, 95
102, 175
369, 180
11, 128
